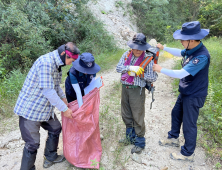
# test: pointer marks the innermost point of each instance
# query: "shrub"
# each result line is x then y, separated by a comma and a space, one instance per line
29, 29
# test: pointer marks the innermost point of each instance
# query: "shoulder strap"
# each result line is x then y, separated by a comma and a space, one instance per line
155, 52
144, 64
128, 54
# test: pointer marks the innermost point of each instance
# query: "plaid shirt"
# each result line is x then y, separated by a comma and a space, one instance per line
31, 103
149, 74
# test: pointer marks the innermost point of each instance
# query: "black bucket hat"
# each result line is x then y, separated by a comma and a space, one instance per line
86, 64
191, 31
139, 42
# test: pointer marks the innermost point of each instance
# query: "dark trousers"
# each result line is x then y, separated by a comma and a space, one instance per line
133, 113
186, 110
30, 134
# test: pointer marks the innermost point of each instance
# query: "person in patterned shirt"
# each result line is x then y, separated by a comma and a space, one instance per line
133, 91
40, 94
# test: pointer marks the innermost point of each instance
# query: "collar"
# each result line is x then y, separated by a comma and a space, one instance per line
82, 74
57, 58
191, 51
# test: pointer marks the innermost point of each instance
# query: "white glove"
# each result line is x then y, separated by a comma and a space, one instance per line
131, 73
136, 69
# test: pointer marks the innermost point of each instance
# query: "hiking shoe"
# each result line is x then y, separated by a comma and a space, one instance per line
48, 163
179, 156
169, 142
136, 149
125, 141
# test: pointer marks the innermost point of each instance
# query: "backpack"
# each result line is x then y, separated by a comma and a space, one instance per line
153, 54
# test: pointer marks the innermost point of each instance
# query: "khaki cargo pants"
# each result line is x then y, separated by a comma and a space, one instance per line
133, 108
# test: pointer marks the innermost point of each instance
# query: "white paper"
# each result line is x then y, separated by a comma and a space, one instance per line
94, 83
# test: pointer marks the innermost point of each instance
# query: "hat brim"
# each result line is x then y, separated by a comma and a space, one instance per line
96, 68
133, 45
178, 36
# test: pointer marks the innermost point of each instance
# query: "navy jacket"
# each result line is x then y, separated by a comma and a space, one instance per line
83, 81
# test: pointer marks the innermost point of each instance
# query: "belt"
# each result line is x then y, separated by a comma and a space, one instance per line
130, 86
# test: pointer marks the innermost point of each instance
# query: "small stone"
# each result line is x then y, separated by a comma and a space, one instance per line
165, 168
101, 137
135, 157
112, 149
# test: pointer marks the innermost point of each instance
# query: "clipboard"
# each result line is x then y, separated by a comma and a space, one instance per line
98, 82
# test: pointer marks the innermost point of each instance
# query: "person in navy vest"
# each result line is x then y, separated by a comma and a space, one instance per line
80, 75
192, 87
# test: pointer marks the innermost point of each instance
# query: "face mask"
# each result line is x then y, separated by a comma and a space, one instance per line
63, 57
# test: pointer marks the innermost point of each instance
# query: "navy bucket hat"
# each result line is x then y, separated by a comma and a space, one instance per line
86, 64
191, 31
139, 42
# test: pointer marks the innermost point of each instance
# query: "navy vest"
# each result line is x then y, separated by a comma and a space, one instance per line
197, 85
83, 81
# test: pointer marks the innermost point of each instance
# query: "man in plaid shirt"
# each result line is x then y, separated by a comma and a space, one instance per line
133, 91
40, 94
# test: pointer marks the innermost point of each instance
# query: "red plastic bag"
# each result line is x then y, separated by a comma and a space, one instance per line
81, 135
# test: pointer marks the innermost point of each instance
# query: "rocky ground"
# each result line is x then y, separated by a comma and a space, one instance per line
118, 21
158, 121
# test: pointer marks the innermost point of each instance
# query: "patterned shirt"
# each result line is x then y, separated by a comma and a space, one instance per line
149, 74
31, 103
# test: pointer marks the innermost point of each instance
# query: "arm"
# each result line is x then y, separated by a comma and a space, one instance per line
60, 93
54, 99
120, 68
78, 94
173, 51
172, 73
192, 68
76, 88
175, 73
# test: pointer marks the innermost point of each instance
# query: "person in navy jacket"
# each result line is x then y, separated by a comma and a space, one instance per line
192, 87
80, 75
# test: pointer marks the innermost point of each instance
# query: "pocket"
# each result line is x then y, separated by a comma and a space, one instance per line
199, 101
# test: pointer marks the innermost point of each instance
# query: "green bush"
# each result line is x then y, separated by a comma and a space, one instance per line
210, 17
29, 29
159, 18
11, 86
210, 116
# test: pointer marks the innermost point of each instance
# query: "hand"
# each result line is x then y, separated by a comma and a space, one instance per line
136, 69
65, 101
68, 113
131, 73
160, 46
157, 68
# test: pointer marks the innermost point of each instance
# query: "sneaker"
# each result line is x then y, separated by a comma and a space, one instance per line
125, 141
136, 149
169, 142
48, 163
179, 156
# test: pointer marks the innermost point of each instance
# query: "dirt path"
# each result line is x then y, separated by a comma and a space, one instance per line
157, 125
